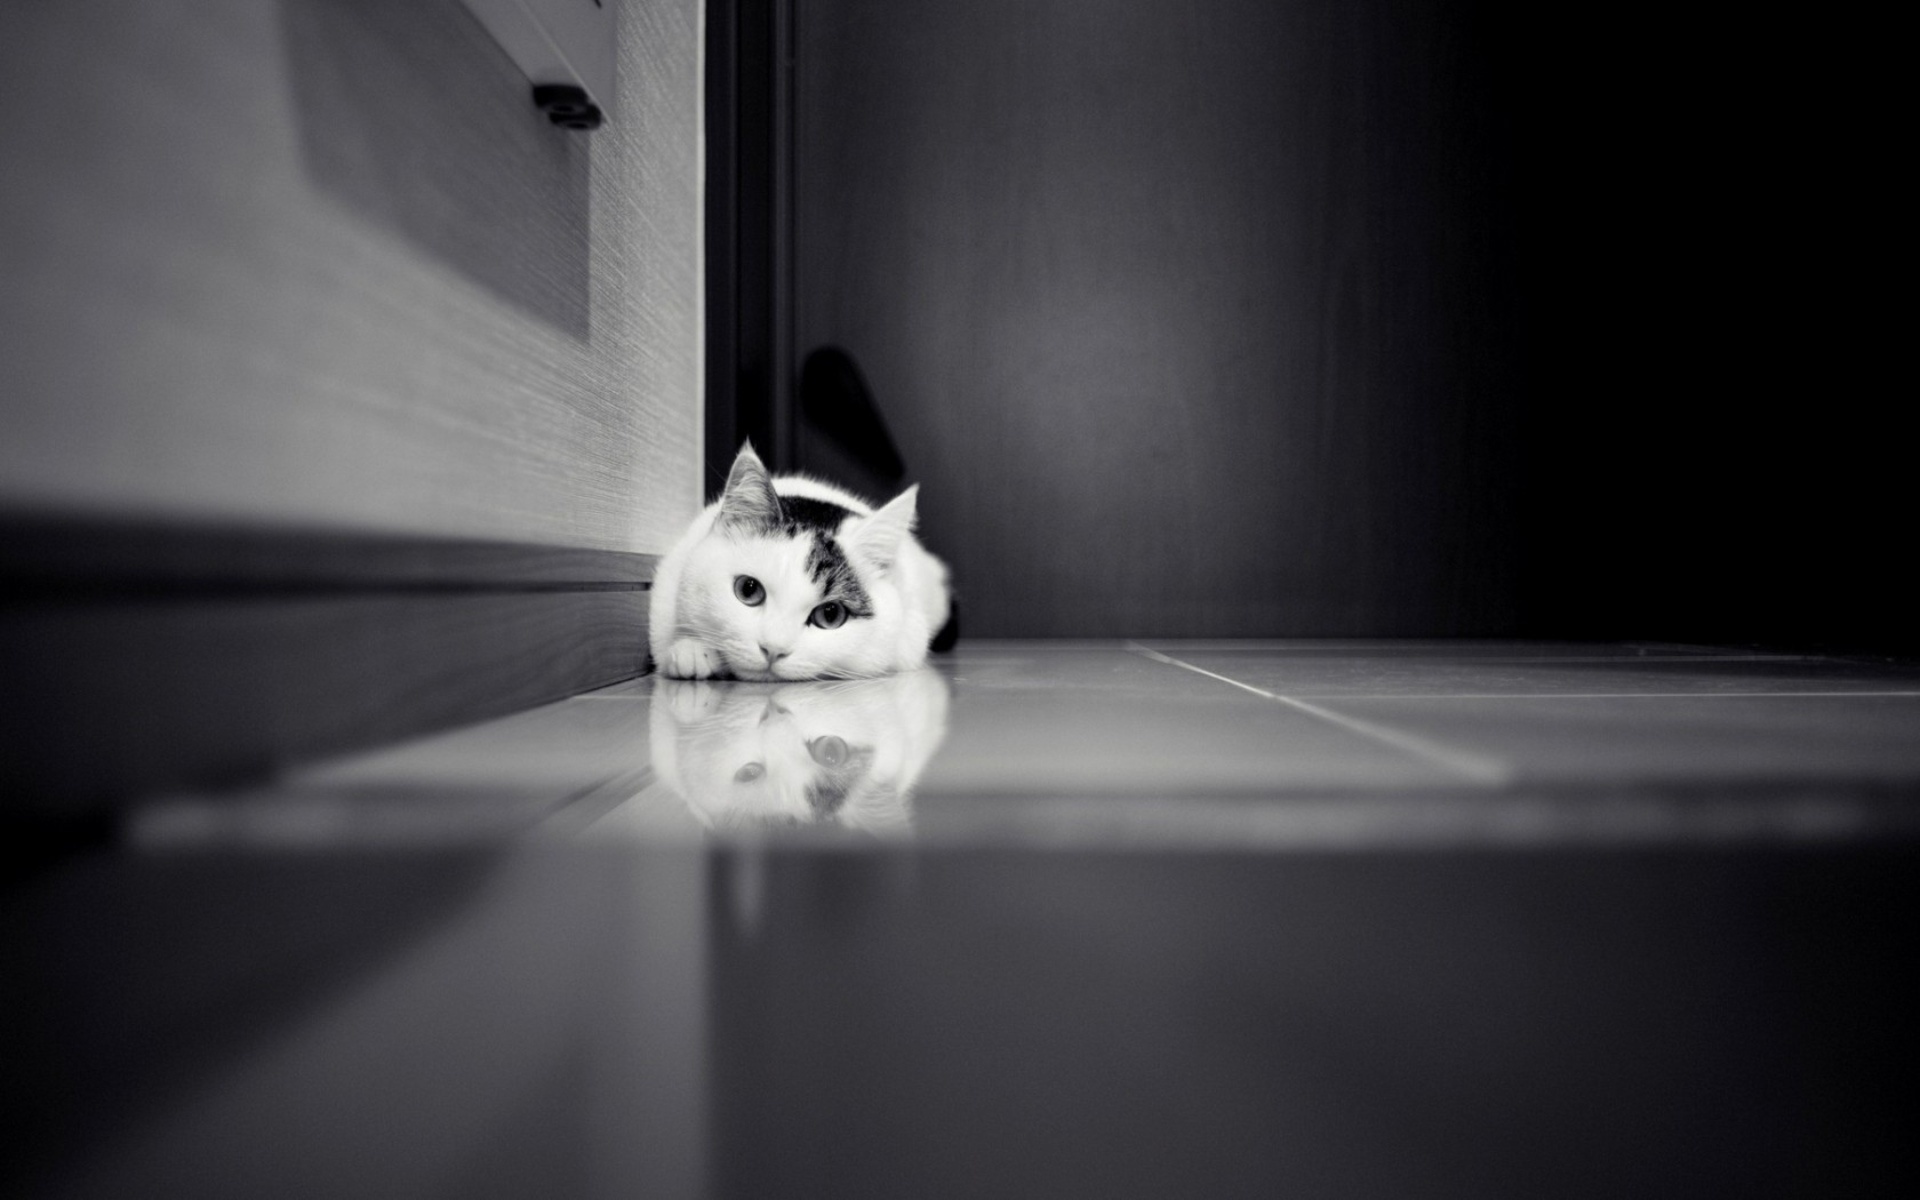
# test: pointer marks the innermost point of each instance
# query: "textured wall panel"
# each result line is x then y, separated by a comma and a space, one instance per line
321, 262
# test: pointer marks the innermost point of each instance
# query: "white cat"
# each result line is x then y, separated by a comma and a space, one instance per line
791, 578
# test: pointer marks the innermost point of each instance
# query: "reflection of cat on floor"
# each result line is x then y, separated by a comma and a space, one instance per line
747, 756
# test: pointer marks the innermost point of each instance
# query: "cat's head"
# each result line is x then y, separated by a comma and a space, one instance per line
796, 587
747, 758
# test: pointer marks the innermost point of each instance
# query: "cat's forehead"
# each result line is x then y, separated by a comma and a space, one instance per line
774, 555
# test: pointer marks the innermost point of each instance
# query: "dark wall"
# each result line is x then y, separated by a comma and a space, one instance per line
1420, 317
1191, 319
1719, 432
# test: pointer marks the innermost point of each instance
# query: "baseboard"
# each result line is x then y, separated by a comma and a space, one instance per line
138, 658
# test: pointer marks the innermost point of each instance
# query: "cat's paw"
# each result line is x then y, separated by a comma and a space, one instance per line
690, 659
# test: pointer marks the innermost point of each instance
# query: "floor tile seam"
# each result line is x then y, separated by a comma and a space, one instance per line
1479, 768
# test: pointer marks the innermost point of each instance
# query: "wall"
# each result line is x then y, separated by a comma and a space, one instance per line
1399, 317
321, 263
1192, 320
1714, 452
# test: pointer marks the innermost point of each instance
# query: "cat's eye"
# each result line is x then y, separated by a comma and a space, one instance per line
748, 591
828, 751
749, 773
831, 615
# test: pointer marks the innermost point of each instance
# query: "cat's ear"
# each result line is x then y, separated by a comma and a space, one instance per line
748, 502
877, 538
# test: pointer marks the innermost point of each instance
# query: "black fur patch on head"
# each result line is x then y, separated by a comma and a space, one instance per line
805, 512
828, 565
826, 562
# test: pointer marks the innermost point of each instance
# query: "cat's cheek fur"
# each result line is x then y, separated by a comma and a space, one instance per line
891, 640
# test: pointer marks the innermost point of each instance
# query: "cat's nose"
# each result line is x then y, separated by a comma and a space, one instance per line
773, 656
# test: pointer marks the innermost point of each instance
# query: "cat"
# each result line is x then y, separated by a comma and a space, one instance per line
792, 578
747, 758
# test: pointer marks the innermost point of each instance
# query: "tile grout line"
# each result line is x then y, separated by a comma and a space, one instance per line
1475, 767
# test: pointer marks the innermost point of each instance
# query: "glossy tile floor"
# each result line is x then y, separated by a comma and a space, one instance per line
1167, 919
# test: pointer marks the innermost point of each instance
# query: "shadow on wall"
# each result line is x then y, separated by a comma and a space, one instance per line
413, 118
843, 437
